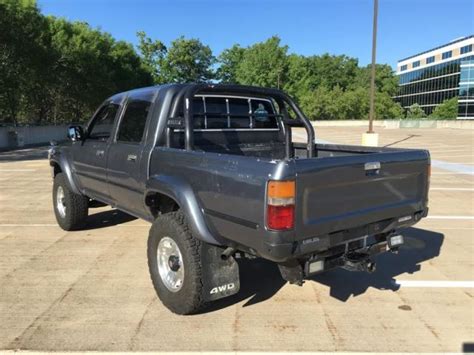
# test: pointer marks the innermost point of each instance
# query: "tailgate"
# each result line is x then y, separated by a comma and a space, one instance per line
337, 193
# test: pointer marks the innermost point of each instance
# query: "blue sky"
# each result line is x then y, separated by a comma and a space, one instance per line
306, 26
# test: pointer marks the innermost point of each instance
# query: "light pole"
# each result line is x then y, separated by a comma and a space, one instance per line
371, 138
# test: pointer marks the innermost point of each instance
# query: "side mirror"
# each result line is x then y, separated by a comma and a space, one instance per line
75, 133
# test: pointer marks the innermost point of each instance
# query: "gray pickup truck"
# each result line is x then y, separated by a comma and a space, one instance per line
216, 171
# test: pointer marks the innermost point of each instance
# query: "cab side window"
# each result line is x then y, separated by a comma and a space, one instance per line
132, 125
103, 122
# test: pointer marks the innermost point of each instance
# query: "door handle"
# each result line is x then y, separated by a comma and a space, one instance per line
131, 157
100, 153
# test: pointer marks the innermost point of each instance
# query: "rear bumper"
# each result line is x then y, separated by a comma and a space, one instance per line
331, 244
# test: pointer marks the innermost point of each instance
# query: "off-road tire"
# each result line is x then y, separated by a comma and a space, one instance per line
77, 206
188, 299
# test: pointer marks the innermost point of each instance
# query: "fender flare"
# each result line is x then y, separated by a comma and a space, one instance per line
65, 166
181, 192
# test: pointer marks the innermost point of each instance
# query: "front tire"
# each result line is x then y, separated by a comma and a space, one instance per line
70, 208
174, 261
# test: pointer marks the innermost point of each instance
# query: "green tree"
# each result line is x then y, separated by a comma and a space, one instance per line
188, 60
126, 67
53, 70
153, 53
322, 103
332, 71
23, 57
229, 61
385, 107
447, 110
338, 104
91, 66
415, 111
264, 64
299, 77
385, 79
306, 74
353, 104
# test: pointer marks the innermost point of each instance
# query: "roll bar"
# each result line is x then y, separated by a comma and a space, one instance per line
189, 91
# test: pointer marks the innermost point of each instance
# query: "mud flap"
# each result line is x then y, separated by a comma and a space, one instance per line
220, 277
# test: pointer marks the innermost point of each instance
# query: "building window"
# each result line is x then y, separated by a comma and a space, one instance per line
466, 49
430, 59
403, 67
447, 54
416, 64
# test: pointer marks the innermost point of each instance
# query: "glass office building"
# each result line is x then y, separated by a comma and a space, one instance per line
466, 89
433, 76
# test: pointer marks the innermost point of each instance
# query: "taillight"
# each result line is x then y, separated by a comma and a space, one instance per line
281, 205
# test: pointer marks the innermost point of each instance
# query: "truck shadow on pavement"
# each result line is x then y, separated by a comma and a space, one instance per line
420, 245
107, 218
260, 279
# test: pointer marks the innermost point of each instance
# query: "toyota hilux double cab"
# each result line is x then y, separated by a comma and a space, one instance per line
217, 172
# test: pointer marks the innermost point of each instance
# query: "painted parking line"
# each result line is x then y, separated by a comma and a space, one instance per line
453, 167
55, 225
449, 173
27, 225
453, 229
453, 155
451, 217
451, 188
434, 284
446, 150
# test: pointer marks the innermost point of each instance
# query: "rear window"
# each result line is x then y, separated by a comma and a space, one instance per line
262, 113
239, 111
216, 112
233, 113
199, 117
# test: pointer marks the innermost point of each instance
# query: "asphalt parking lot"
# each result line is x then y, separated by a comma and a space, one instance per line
90, 290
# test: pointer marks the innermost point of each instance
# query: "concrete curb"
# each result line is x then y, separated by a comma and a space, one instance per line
30, 136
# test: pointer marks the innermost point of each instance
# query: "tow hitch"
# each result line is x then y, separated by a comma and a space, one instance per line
358, 262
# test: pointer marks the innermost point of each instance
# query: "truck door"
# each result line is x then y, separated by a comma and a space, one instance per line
90, 155
126, 164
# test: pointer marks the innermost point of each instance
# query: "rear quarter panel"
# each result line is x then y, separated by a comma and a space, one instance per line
231, 190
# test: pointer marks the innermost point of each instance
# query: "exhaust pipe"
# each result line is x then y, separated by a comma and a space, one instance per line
370, 266
227, 253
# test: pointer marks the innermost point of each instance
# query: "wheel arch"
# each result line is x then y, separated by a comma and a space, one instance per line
61, 165
175, 194
160, 203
